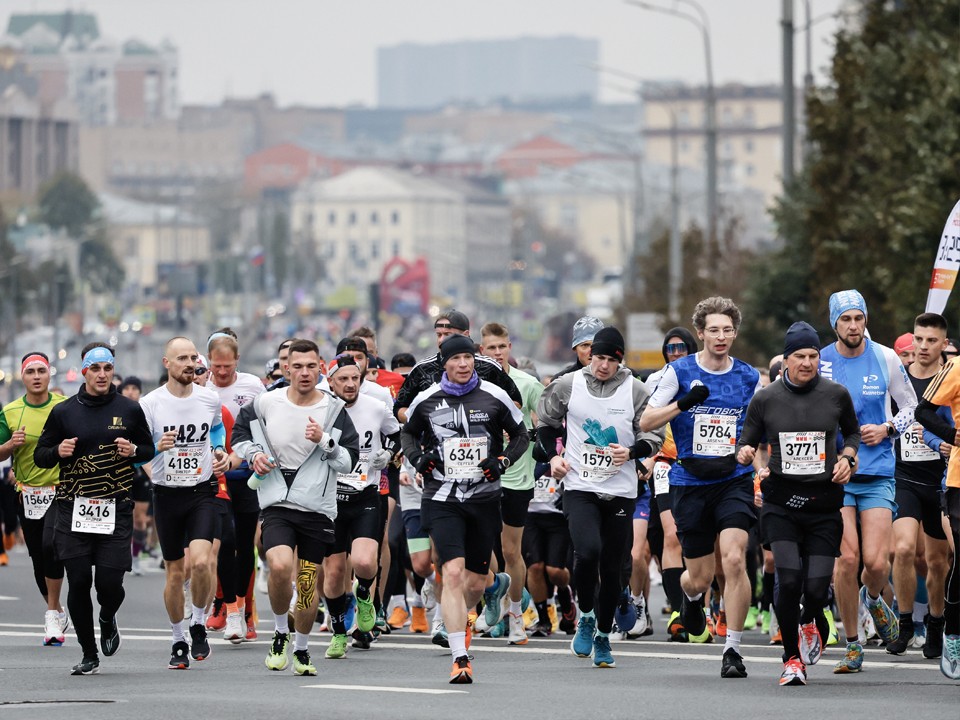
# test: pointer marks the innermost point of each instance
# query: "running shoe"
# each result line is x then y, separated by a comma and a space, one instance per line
753, 616
351, 612
919, 635
811, 646
217, 620
543, 628
884, 619
499, 630
530, 617
462, 672
136, 569
852, 661
110, 639
732, 665
468, 633
418, 620
554, 617
794, 672
429, 595
233, 628
337, 647
834, 637
480, 625
900, 645
777, 638
199, 646
52, 629
90, 665
439, 634
398, 618
277, 658
381, 627
582, 643
493, 600
516, 635
568, 620
4, 560
302, 664
933, 647
720, 623
625, 614
366, 612
765, 622
263, 578
642, 624
361, 640
251, 633
602, 657
950, 658
693, 616
179, 656
675, 629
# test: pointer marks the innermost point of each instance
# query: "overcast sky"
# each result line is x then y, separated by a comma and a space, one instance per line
323, 52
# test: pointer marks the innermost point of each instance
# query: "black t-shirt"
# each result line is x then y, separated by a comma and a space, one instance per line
923, 472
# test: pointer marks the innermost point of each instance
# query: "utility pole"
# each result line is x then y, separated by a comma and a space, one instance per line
789, 97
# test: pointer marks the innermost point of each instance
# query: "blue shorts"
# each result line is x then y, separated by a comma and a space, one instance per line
878, 492
642, 511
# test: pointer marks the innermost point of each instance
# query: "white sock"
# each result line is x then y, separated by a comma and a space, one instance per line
396, 601
176, 630
437, 615
458, 644
281, 623
514, 608
416, 601
198, 615
693, 598
300, 640
733, 640
432, 577
635, 598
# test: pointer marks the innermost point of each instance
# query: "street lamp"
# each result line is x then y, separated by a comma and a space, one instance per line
702, 22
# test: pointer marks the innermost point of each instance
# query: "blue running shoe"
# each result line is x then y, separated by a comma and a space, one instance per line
582, 643
602, 657
852, 661
625, 616
493, 600
525, 600
884, 619
350, 614
499, 630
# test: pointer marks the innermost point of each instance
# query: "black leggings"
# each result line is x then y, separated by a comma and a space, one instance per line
951, 613
245, 529
40, 546
805, 577
110, 594
227, 560
602, 532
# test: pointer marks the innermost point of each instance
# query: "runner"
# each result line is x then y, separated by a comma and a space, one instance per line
21, 423
95, 437
583, 331
803, 492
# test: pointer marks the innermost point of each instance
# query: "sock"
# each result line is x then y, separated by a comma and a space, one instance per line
176, 629
281, 623
733, 640
906, 617
416, 601
514, 608
338, 610
635, 598
853, 640
693, 598
602, 634
437, 615
300, 640
397, 601
671, 587
458, 644
872, 601
198, 615
919, 611
363, 587
542, 612
588, 614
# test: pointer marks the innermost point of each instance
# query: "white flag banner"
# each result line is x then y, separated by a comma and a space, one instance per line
946, 265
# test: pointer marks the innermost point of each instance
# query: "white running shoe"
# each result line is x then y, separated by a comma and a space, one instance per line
263, 576
52, 629
516, 634
136, 570
429, 595
234, 631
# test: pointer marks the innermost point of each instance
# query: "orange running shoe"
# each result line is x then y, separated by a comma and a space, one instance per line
462, 672
418, 620
9, 541
777, 639
218, 618
398, 618
4, 560
721, 623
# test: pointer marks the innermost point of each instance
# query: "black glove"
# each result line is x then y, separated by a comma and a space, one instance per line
640, 449
697, 394
429, 462
492, 469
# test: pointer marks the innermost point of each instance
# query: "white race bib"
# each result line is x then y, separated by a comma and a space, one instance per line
661, 477
596, 463
183, 464
462, 456
94, 516
36, 501
544, 489
912, 447
803, 453
358, 478
714, 435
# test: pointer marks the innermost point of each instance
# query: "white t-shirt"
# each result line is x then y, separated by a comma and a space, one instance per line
370, 418
244, 389
286, 424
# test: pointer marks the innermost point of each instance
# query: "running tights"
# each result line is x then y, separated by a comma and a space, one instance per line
42, 554
805, 577
110, 594
951, 613
227, 561
245, 527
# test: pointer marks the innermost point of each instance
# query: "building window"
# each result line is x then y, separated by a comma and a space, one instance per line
684, 146
748, 117
352, 218
354, 251
374, 218
683, 117
395, 248
748, 145
331, 218
375, 249
750, 170
395, 217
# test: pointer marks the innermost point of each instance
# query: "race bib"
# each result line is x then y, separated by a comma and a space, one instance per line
36, 501
357, 479
544, 489
661, 477
912, 447
183, 464
714, 435
596, 463
803, 453
94, 516
461, 456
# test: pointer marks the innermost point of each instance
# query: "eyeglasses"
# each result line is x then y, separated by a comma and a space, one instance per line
200, 371
676, 348
718, 332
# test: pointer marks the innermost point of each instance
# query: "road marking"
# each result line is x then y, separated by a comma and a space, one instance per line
367, 688
8, 597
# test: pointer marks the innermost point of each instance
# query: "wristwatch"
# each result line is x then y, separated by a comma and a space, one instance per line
850, 459
890, 428
505, 462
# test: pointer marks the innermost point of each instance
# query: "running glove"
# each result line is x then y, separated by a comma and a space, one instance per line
696, 395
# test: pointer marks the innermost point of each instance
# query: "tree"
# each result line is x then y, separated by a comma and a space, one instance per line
868, 209
66, 202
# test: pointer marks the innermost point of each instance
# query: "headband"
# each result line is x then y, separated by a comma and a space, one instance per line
218, 335
96, 355
339, 362
34, 359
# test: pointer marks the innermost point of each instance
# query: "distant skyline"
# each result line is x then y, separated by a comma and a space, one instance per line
322, 52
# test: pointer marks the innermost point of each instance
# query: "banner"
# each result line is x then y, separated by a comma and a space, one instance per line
946, 265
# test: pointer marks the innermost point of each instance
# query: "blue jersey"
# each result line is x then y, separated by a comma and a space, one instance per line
706, 435
872, 378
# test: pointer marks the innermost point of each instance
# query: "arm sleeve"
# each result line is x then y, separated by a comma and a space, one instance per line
753, 429
218, 436
346, 451
902, 392
409, 390
927, 416
667, 389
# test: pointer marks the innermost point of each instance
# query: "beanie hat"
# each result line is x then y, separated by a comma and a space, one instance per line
584, 329
454, 345
904, 342
841, 302
339, 362
800, 336
608, 341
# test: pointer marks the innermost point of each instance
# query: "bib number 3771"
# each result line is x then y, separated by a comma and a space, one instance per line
96, 516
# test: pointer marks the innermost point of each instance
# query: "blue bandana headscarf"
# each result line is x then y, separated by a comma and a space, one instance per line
841, 302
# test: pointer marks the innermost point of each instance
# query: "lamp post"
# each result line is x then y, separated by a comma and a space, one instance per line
702, 22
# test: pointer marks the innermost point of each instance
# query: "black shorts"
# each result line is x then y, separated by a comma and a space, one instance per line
310, 533
702, 511
393, 478
816, 533
357, 518
655, 526
513, 506
452, 524
922, 503
142, 487
951, 507
243, 498
109, 551
546, 539
183, 515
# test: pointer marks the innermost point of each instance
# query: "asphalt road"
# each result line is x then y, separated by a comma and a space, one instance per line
404, 676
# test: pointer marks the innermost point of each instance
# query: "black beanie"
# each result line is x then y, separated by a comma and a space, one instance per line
800, 336
608, 341
454, 345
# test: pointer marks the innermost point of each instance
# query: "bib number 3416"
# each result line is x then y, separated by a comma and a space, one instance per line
95, 516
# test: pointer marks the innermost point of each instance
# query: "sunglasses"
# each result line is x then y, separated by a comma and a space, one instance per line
674, 348
200, 371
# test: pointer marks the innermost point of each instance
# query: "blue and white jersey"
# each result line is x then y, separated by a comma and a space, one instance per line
872, 378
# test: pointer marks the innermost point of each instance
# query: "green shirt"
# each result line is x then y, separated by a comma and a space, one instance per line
519, 476
16, 415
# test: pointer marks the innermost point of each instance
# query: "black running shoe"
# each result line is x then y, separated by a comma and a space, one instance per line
90, 665
199, 647
691, 614
732, 666
933, 645
361, 639
899, 646
109, 636
180, 656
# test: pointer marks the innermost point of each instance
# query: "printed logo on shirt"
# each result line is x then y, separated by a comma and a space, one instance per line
479, 416
117, 424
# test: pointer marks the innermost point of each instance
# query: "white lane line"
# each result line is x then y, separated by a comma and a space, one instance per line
8, 597
367, 688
